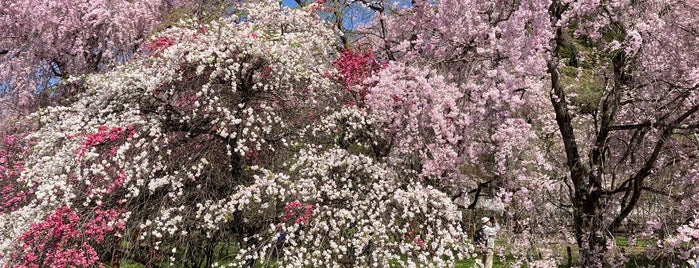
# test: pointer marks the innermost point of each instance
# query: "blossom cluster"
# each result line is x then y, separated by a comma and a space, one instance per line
354, 68
356, 212
63, 239
422, 115
12, 192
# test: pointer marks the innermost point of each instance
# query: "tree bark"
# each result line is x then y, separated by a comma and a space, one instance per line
589, 229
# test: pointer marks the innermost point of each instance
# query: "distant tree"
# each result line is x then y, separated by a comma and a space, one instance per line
46, 41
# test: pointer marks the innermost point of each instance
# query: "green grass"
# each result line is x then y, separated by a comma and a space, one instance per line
129, 264
469, 263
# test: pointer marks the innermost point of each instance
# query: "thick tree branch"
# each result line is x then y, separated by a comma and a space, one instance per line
558, 100
630, 126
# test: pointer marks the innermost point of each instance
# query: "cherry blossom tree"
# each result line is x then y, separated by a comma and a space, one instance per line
49, 39
217, 149
642, 127
628, 139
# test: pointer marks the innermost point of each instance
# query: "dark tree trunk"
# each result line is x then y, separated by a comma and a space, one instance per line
591, 237
590, 231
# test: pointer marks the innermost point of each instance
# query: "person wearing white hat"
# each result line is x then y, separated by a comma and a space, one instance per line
490, 229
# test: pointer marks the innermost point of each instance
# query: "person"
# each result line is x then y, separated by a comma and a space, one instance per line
490, 230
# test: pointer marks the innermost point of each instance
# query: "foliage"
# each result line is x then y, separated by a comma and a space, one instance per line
342, 209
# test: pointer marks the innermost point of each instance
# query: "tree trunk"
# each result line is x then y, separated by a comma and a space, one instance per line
591, 237
589, 227
116, 255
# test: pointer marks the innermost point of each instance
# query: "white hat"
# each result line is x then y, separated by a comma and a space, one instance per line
485, 219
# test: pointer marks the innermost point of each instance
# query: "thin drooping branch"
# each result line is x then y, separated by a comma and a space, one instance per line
637, 180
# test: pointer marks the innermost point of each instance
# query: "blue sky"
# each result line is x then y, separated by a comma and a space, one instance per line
356, 15
289, 3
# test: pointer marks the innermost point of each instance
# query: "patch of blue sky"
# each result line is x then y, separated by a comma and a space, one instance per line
290, 3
